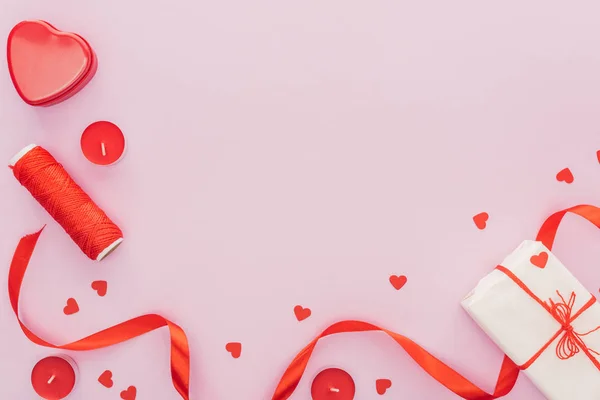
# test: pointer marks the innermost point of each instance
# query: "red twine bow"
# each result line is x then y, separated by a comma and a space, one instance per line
571, 342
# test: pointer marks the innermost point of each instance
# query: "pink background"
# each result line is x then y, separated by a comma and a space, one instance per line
300, 152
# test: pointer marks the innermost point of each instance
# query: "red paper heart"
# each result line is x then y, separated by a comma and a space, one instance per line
234, 348
129, 394
46, 65
398, 281
301, 313
540, 260
598, 155
100, 287
481, 220
72, 307
565, 176
106, 379
383, 385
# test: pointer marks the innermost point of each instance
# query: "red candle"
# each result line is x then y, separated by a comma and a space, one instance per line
53, 378
103, 143
333, 384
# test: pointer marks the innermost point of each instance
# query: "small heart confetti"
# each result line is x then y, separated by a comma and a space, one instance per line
234, 348
383, 385
100, 287
481, 220
565, 176
301, 313
598, 155
398, 281
106, 379
72, 307
129, 394
540, 260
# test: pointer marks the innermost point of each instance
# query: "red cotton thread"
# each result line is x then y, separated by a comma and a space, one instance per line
49, 183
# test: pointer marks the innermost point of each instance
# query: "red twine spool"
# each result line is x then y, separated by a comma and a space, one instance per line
66, 202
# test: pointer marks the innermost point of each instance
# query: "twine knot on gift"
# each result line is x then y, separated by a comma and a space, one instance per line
571, 342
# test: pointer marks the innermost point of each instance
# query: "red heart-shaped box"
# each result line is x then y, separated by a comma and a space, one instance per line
48, 66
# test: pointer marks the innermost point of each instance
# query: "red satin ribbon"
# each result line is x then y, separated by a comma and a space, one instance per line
430, 364
547, 232
433, 366
179, 346
180, 354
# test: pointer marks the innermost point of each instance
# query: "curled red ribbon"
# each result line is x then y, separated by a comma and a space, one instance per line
434, 367
180, 357
180, 354
547, 233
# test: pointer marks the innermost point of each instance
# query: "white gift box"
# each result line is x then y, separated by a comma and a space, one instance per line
554, 337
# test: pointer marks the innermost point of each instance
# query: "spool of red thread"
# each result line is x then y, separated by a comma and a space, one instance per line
49, 183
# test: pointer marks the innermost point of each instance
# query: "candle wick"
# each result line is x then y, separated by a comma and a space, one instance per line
51, 379
103, 149
336, 390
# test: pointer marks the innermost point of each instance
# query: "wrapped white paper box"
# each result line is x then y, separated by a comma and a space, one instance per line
568, 363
